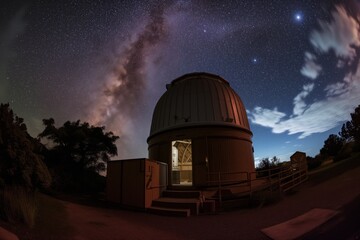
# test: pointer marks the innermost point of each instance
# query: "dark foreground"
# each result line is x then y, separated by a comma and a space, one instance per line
336, 188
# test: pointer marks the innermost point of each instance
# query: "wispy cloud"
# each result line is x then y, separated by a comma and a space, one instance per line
267, 117
342, 36
310, 69
299, 101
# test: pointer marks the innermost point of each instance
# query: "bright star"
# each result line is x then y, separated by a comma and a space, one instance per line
298, 17
254, 60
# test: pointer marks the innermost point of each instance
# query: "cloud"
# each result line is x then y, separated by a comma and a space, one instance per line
336, 89
341, 35
310, 69
299, 100
266, 117
120, 100
316, 117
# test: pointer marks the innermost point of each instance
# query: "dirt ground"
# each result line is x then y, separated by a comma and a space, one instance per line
340, 191
337, 188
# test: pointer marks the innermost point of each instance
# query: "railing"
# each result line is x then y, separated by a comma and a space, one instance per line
223, 180
284, 177
162, 181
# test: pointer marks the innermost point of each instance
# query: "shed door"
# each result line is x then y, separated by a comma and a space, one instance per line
181, 164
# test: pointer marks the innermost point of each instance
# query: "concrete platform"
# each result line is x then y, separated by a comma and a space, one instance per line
300, 225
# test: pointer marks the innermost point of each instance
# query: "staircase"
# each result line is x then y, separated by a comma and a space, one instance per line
181, 203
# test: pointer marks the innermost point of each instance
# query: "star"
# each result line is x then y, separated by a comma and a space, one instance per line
70, 60
298, 17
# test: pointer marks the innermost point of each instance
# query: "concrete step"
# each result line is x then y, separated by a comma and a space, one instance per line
169, 211
181, 194
178, 203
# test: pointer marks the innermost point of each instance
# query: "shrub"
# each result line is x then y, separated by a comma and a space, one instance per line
20, 164
332, 145
344, 153
268, 166
313, 163
356, 147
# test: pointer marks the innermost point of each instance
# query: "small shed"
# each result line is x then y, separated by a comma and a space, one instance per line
135, 182
298, 160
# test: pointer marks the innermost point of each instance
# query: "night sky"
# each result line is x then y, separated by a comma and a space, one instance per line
295, 64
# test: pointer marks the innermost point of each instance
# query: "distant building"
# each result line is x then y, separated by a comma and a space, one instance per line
298, 159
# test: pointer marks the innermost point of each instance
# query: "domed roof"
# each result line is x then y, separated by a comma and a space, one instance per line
198, 99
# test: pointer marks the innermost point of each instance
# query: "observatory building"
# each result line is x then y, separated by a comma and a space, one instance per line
200, 154
201, 131
199, 146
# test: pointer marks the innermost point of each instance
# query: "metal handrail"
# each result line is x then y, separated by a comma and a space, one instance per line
275, 176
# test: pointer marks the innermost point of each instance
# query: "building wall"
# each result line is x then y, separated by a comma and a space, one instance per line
227, 150
133, 178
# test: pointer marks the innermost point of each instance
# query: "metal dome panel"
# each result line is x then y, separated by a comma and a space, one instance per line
198, 99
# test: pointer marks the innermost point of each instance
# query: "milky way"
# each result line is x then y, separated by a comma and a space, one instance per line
119, 102
108, 63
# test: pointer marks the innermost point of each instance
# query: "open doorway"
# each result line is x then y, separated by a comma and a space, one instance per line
181, 172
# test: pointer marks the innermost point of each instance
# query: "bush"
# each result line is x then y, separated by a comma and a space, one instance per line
356, 147
18, 205
344, 153
332, 146
313, 163
20, 163
268, 166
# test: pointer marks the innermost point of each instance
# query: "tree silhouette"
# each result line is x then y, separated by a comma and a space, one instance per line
76, 149
19, 162
351, 129
332, 145
267, 163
